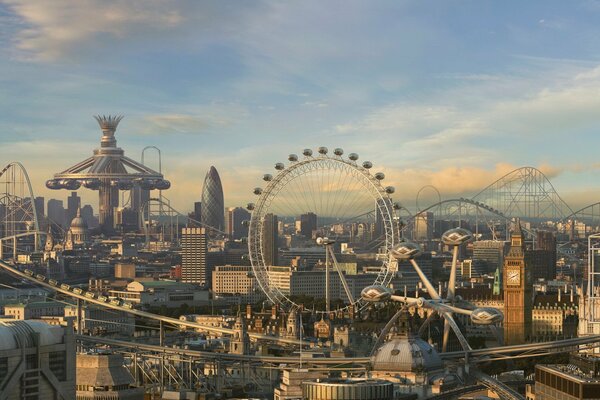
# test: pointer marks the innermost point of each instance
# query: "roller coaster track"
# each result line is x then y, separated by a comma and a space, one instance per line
123, 305
340, 362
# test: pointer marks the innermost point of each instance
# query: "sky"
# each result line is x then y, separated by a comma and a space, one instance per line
453, 94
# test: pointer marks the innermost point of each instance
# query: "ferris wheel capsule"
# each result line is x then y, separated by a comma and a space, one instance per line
367, 165
390, 189
250, 206
292, 158
267, 177
397, 205
302, 181
380, 176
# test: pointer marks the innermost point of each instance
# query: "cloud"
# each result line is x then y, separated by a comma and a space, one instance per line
174, 123
63, 29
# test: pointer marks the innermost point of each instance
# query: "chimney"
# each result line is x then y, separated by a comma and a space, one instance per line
274, 312
248, 311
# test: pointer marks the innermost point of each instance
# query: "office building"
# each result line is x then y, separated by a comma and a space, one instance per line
194, 269
56, 212
236, 228
213, 206
423, 229
308, 224
490, 253
73, 204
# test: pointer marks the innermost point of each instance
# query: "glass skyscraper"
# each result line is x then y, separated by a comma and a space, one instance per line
213, 206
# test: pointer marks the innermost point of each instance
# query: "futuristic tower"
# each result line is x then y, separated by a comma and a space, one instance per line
213, 205
108, 171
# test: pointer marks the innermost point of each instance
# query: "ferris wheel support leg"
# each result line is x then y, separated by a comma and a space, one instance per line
342, 278
430, 289
452, 281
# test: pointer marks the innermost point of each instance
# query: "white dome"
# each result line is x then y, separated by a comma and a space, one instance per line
406, 355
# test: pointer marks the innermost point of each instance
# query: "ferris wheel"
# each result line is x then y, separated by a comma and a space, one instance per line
324, 206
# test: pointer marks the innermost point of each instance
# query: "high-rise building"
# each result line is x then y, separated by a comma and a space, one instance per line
87, 213
40, 208
56, 212
270, 240
424, 225
490, 252
308, 224
379, 222
518, 286
194, 243
73, 204
546, 241
234, 222
213, 206
198, 210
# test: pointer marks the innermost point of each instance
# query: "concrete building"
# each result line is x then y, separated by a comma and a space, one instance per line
125, 271
34, 310
105, 377
37, 361
162, 293
97, 320
577, 380
194, 248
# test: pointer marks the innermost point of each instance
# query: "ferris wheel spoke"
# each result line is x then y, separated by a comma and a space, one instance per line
338, 191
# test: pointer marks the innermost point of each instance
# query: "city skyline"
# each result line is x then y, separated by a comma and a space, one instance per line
454, 98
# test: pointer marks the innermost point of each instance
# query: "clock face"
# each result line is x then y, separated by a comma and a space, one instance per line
513, 277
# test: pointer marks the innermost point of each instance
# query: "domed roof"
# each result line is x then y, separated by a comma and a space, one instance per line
406, 355
78, 221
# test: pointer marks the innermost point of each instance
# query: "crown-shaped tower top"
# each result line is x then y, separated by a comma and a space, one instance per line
108, 124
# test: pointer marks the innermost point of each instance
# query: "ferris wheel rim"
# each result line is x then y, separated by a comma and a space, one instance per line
302, 167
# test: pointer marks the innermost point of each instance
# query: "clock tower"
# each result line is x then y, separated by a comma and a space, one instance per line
518, 301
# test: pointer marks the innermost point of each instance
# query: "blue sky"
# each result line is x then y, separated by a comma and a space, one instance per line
449, 93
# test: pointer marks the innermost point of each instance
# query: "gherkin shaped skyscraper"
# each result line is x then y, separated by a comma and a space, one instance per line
213, 206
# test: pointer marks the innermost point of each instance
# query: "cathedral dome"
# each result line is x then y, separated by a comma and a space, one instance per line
406, 355
78, 223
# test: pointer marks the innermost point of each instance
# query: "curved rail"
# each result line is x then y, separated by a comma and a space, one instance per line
36, 223
121, 305
518, 170
501, 388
